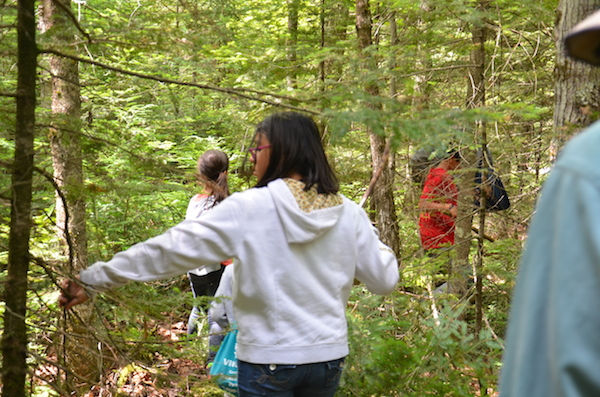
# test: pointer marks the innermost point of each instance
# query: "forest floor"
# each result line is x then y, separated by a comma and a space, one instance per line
164, 377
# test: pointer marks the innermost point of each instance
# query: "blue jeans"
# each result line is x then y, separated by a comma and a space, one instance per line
306, 380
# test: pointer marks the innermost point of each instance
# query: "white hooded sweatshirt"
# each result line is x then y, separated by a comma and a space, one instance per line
293, 269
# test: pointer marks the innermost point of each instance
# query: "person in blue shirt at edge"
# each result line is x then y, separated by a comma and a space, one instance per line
553, 335
297, 245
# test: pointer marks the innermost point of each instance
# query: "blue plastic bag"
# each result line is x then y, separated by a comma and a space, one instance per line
224, 371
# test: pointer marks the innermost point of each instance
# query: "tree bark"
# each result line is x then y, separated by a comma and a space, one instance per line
477, 99
422, 87
79, 350
382, 199
577, 87
461, 266
14, 340
292, 41
337, 17
393, 43
65, 140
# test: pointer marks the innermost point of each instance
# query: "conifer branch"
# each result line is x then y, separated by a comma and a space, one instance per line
232, 91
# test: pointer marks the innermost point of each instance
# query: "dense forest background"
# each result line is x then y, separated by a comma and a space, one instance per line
127, 94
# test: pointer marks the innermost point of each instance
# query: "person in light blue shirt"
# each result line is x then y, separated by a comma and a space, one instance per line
553, 336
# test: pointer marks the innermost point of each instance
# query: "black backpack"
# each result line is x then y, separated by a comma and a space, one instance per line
497, 198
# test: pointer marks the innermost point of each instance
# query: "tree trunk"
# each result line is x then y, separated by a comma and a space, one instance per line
461, 266
65, 140
463, 234
422, 87
292, 41
577, 87
337, 18
322, 20
477, 99
334, 17
14, 340
382, 199
79, 350
393, 43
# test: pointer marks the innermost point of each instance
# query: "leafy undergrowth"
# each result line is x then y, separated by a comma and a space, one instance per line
399, 348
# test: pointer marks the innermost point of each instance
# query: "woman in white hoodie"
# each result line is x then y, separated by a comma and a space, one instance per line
298, 245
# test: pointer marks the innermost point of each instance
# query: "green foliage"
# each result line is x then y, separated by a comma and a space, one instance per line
141, 139
400, 349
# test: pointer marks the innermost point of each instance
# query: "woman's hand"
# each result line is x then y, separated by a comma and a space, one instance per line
72, 294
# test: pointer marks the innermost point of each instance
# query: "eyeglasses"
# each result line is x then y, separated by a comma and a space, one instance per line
254, 150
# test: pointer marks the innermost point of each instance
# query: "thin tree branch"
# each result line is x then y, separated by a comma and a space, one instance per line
60, 193
73, 19
273, 95
105, 40
9, 94
485, 236
437, 70
232, 91
377, 174
59, 366
53, 75
110, 143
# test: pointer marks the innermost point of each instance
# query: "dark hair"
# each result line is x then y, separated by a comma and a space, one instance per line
296, 148
212, 167
453, 154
